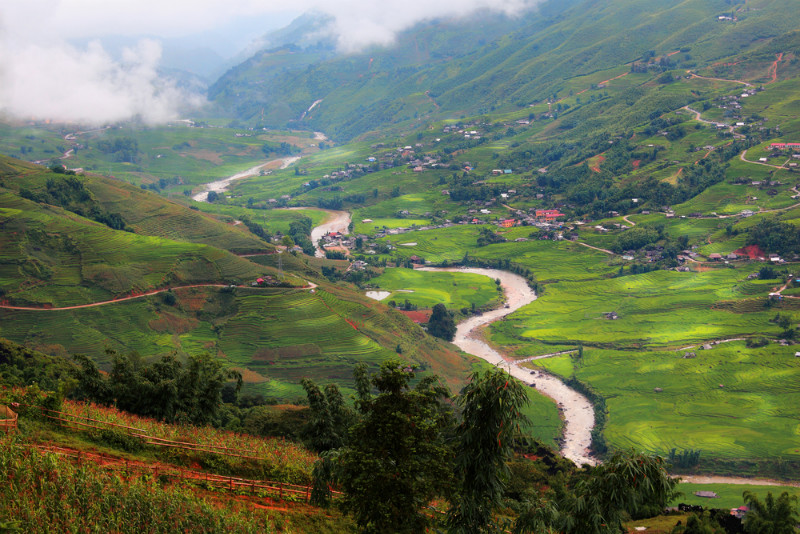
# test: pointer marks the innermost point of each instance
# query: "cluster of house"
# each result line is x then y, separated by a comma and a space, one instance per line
467, 131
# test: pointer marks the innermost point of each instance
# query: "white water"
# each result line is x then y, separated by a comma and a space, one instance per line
575, 408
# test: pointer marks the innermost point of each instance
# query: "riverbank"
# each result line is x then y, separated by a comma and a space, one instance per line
222, 185
576, 409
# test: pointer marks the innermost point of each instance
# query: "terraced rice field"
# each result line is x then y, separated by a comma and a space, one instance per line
252, 329
731, 402
661, 308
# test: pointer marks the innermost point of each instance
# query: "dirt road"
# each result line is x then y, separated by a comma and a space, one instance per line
576, 409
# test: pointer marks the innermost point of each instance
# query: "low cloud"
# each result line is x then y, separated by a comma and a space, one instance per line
360, 23
64, 83
44, 77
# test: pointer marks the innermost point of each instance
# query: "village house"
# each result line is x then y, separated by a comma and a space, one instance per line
548, 215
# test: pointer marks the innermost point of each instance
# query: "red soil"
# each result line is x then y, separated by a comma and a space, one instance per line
418, 317
753, 252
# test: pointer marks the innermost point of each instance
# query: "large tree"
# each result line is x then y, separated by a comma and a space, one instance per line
491, 414
597, 501
397, 460
773, 516
441, 323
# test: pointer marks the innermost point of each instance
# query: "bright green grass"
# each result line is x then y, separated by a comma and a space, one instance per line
731, 199
246, 329
753, 415
50, 256
661, 308
454, 290
273, 220
730, 495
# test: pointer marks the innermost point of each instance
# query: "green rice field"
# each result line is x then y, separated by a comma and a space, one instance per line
731, 402
426, 289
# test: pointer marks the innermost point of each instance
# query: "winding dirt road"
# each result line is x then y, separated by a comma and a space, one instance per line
576, 409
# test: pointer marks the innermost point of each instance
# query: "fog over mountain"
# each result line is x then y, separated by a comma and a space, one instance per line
86, 60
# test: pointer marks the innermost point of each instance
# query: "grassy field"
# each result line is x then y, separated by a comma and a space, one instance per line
730, 402
661, 308
144, 212
51, 256
277, 336
730, 495
426, 289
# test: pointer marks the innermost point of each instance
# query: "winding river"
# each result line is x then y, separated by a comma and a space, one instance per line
221, 185
575, 409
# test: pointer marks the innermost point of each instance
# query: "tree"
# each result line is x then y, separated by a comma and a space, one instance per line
441, 323
492, 405
330, 417
701, 524
397, 460
627, 484
771, 516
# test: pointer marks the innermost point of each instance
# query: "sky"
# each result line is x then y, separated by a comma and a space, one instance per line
54, 63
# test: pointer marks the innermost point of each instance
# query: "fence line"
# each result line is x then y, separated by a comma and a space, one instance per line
72, 419
158, 471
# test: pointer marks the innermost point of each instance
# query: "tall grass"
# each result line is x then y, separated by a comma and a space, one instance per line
43, 493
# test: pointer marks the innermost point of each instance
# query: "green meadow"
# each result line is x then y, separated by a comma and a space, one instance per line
276, 336
273, 220
426, 289
51, 256
656, 309
731, 402
728, 495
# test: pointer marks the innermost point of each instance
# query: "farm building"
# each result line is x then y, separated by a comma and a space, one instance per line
508, 223
714, 256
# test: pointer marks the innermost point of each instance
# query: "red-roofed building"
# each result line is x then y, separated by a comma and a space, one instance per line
548, 215
508, 223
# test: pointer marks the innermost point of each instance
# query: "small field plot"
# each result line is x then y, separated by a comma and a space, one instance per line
551, 261
426, 289
661, 308
272, 220
728, 495
731, 402
730, 199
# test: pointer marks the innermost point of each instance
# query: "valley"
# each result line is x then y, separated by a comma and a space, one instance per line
600, 199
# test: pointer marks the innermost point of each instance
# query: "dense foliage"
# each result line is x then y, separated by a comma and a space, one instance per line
166, 389
441, 323
397, 460
775, 236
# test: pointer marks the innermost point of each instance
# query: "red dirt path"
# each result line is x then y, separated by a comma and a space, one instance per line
774, 68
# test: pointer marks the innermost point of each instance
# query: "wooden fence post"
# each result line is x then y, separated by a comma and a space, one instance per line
280, 488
